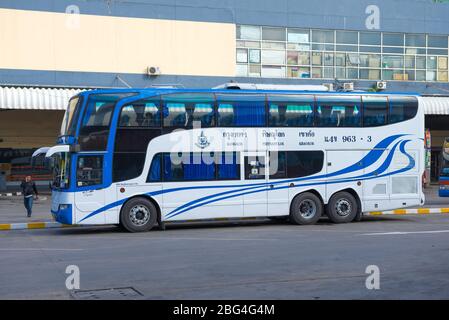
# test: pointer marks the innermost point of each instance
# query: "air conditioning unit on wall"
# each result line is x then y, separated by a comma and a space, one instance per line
153, 71
381, 85
348, 86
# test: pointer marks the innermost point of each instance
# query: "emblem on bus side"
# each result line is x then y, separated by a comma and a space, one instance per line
202, 141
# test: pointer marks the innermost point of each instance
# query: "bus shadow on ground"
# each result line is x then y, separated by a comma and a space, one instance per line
224, 224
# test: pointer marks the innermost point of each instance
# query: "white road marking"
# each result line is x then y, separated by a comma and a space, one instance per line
404, 232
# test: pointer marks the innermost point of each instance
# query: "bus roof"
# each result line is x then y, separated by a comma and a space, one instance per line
155, 91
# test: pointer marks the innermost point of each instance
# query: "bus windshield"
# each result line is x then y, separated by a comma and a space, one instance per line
71, 117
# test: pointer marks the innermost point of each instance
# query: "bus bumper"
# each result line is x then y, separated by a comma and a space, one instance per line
63, 214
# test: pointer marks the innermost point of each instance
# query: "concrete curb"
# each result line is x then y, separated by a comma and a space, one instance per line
401, 212
11, 194
33, 225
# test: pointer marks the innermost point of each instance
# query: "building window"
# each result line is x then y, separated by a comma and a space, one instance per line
273, 52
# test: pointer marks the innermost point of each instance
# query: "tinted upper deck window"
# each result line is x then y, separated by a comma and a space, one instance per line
338, 111
238, 110
290, 110
187, 109
94, 131
403, 108
142, 113
375, 111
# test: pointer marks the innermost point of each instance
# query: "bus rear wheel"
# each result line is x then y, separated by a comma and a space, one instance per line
138, 215
342, 208
306, 209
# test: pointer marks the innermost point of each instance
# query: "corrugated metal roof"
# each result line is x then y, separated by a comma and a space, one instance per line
35, 98
436, 105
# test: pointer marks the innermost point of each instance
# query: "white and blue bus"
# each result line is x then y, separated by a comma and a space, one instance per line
142, 157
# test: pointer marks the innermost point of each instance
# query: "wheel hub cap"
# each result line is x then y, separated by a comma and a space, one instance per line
343, 207
139, 215
307, 209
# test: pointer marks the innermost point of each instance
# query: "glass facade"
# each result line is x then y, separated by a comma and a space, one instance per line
274, 52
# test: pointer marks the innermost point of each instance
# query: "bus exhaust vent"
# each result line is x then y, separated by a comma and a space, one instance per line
127, 293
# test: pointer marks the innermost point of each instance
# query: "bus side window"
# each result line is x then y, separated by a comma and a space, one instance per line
155, 169
189, 109
228, 166
225, 115
174, 114
138, 124
89, 171
200, 166
94, 131
173, 168
290, 111
375, 111
402, 109
278, 165
295, 164
194, 167
140, 114
241, 110
339, 111
304, 163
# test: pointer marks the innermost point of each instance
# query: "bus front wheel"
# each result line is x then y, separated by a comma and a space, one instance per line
138, 215
342, 208
306, 209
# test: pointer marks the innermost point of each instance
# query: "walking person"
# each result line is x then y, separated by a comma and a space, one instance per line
29, 190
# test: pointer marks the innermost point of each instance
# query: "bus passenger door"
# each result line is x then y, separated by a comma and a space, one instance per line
255, 170
278, 196
90, 194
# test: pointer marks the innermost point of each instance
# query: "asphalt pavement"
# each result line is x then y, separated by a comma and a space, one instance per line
13, 211
222, 260
228, 260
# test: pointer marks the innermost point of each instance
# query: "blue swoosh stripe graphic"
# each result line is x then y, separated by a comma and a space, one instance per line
368, 160
373, 175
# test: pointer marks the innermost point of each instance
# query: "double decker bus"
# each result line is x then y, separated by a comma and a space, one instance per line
444, 170
143, 157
